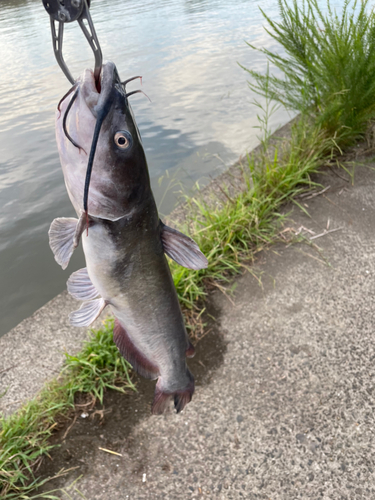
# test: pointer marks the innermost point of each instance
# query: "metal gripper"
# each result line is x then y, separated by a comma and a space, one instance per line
67, 11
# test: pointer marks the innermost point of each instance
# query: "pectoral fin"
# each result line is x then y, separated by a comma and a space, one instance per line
80, 286
64, 235
61, 236
182, 249
87, 313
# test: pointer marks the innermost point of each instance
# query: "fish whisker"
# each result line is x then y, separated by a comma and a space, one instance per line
66, 95
65, 118
130, 80
137, 92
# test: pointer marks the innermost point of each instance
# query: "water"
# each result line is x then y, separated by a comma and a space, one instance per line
199, 121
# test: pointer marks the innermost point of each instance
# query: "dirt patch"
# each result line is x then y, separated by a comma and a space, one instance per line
111, 425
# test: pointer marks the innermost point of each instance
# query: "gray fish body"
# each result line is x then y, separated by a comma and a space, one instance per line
126, 263
125, 242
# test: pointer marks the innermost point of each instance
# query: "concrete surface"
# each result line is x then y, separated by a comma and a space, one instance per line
289, 414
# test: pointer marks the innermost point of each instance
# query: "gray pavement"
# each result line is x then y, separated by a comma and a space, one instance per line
289, 412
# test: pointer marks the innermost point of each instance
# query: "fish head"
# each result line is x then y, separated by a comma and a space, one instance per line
97, 133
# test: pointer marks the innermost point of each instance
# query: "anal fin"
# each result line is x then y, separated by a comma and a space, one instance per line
64, 235
182, 249
87, 313
131, 353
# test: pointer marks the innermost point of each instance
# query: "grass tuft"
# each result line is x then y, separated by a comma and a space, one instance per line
231, 230
98, 366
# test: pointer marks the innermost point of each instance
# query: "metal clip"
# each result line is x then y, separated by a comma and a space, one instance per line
67, 11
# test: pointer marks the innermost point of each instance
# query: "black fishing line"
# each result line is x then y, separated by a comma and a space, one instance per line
101, 115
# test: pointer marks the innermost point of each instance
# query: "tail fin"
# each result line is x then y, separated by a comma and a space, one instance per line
181, 397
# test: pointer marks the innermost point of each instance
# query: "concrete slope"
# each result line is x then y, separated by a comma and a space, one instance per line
33, 352
289, 413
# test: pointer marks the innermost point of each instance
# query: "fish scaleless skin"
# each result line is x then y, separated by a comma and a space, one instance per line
126, 264
125, 243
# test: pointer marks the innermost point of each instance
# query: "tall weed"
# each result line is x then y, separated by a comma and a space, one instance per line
328, 67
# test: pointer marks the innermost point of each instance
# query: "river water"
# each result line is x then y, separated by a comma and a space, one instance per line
199, 121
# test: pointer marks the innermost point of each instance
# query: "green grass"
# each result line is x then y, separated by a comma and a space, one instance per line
24, 435
229, 232
98, 366
329, 78
328, 65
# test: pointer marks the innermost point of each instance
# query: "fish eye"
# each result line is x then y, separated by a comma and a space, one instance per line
123, 139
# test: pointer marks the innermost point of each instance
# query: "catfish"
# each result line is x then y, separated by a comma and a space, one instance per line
124, 241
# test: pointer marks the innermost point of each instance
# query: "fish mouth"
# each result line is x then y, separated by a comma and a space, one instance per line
97, 93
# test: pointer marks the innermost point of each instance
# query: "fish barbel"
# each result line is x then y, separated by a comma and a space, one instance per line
107, 179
